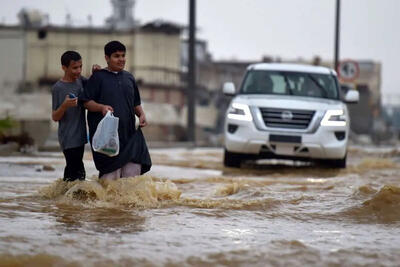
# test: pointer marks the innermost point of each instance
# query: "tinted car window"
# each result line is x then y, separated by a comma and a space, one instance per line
290, 83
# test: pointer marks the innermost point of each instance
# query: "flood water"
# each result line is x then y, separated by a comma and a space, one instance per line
190, 211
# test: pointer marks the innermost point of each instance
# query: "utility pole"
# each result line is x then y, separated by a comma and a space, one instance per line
337, 34
191, 86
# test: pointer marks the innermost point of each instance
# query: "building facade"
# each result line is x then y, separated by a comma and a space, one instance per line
31, 63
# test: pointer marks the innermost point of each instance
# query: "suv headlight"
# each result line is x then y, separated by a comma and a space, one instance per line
334, 117
239, 112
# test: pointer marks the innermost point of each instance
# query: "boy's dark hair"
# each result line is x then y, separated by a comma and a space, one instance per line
69, 56
112, 47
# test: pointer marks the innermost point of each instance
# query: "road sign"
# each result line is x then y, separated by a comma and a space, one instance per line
348, 70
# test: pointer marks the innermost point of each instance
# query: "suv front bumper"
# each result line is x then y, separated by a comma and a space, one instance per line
326, 142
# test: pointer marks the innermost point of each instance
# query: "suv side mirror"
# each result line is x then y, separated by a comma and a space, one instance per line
229, 89
352, 96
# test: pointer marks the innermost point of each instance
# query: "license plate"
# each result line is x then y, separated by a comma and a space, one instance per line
285, 138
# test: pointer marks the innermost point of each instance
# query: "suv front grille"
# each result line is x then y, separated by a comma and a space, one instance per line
287, 118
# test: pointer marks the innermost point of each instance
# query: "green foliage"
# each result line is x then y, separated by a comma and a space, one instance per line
7, 123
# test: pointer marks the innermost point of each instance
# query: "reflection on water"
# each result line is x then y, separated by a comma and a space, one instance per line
275, 214
102, 219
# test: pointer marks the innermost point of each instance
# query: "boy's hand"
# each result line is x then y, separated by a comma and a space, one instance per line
142, 120
70, 102
95, 68
106, 108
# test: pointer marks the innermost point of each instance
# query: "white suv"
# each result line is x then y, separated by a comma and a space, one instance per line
287, 111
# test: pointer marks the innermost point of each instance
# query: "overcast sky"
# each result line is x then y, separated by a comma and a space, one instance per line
249, 29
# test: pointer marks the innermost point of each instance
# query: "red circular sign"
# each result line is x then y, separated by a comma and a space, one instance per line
348, 70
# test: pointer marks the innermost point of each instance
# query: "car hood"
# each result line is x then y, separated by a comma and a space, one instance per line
290, 102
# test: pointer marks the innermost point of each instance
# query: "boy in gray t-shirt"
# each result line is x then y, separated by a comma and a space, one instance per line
70, 114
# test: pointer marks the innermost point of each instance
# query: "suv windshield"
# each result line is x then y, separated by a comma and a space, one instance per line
290, 83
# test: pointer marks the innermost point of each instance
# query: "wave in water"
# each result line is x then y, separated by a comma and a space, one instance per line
148, 192
382, 206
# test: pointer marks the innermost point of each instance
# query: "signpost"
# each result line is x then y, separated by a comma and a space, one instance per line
191, 86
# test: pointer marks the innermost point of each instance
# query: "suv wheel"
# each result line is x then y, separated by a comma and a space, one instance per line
232, 159
335, 163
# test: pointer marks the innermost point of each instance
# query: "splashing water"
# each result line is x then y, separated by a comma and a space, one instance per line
141, 191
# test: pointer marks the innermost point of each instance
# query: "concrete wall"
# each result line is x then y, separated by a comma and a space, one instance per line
11, 58
153, 57
43, 55
157, 57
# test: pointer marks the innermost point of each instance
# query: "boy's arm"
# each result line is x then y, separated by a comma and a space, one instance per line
59, 112
93, 106
142, 117
91, 93
95, 67
137, 105
84, 80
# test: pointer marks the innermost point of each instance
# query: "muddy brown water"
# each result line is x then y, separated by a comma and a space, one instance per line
191, 211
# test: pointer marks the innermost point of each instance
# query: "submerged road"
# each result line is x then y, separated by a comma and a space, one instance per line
189, 210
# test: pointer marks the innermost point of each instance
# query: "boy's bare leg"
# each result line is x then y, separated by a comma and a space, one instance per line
112, 175
131, 170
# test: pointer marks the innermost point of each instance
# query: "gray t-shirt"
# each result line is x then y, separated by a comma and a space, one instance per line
72, 126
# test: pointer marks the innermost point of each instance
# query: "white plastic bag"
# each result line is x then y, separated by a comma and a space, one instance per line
105, 139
